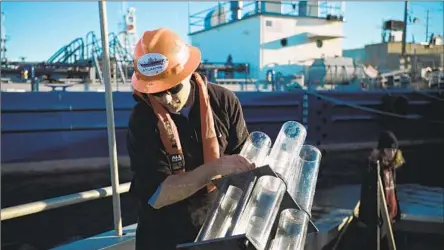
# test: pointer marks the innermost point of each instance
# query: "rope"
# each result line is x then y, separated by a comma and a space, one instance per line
371, 110
422, 93
429, 96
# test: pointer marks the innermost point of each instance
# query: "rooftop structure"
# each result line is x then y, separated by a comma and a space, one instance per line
128, 34
285, 36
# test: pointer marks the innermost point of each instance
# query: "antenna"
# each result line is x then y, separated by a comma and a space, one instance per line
343, 4
128, 33
404, 32
3, 39
427, 25
123, 10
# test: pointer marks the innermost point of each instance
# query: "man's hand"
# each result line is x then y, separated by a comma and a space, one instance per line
181, 186
230, 164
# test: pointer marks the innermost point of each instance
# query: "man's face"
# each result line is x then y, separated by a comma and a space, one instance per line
175, 98
390, 153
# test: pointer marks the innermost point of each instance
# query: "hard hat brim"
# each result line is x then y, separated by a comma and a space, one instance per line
155, 86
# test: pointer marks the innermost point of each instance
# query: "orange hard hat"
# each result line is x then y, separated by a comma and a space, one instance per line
162, 60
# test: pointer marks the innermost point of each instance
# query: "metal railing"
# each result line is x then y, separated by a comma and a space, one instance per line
61, 201
223, 12
115, 189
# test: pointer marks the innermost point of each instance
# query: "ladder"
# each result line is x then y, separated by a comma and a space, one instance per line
119, 66
97, 63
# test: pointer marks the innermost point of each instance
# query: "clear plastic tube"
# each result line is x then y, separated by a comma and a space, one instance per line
303, 188
284, 152
261, 210
220, 221
291, 231
256, 148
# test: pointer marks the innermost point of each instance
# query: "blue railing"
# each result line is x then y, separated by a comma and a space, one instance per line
224, 12
82, 50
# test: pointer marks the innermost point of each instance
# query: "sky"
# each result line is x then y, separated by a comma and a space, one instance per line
36, 30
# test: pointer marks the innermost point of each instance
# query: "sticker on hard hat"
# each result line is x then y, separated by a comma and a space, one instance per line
152, 64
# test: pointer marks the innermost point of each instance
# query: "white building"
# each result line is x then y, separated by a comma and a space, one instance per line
284, 36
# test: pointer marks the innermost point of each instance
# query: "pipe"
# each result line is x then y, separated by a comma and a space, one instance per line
62, 201
404, 32
110, 119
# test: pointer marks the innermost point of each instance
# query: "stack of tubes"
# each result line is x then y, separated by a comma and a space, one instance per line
297, 166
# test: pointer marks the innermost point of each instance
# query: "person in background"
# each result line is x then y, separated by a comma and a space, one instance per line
390, 159
183, 132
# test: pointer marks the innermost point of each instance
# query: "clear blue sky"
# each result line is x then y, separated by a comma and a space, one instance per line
38, 29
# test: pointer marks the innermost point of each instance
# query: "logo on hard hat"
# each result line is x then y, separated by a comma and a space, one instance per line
152, 64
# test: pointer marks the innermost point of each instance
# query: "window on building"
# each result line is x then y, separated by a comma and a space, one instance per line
319, 43
284, 42
268, 23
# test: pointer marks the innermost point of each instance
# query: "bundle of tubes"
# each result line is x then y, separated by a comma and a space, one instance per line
296, 166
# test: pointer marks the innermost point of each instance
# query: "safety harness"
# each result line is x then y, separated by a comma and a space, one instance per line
170, 136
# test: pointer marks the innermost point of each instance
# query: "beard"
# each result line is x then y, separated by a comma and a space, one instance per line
174, 107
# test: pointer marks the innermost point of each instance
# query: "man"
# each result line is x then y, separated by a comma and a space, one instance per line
182, 133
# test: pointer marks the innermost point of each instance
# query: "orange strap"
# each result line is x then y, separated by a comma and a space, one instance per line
170, 136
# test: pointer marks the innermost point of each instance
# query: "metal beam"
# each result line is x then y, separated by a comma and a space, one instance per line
62, 201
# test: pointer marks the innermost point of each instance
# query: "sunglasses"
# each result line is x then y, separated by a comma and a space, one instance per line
172, 91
